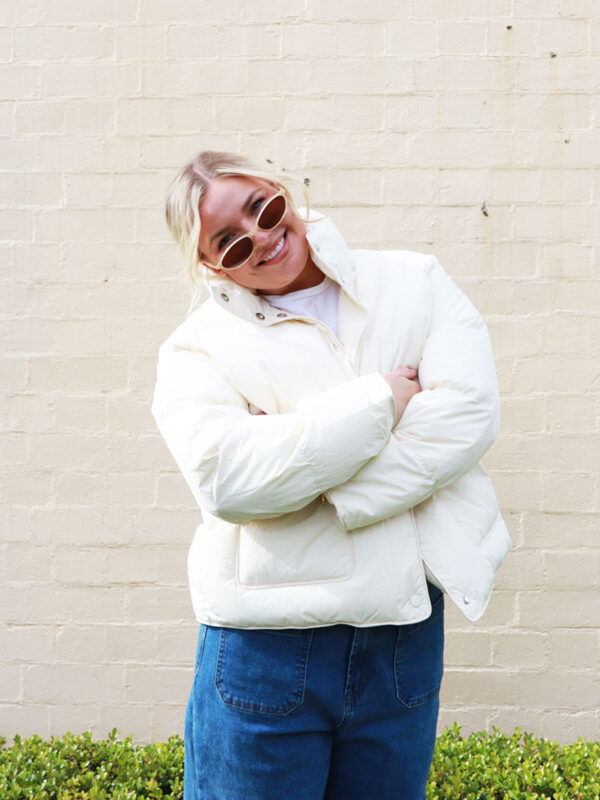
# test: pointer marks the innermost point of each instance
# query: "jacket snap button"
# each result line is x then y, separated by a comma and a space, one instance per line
224, 296
415, 600
466, 599
259, 315
282, 315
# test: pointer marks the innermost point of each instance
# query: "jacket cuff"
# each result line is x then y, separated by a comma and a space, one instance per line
352, 422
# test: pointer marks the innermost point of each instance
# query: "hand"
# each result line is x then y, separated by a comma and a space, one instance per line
405, 386
255, 410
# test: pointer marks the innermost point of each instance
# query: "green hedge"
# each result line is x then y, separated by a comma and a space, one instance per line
478, 767
519, 767
81, 768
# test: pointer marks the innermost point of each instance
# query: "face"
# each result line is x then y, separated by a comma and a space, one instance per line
280, 261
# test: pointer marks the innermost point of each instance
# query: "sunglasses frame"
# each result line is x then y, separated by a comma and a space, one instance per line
250, 235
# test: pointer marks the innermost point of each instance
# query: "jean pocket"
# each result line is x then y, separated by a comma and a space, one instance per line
262, 670
419, 657
199, 650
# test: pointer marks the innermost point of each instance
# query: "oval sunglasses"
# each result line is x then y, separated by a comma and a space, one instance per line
240, 250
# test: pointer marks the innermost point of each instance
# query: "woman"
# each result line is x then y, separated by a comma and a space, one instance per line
328, 409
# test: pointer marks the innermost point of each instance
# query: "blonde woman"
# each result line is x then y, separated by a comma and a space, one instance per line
328, 409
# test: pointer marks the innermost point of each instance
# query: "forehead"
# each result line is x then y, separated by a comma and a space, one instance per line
225, 197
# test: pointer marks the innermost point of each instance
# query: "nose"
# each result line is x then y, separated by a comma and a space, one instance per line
261, 243
261, 237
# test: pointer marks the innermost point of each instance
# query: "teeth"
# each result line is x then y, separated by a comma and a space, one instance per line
274, 252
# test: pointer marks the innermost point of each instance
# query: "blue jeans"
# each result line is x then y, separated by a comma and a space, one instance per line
340, 713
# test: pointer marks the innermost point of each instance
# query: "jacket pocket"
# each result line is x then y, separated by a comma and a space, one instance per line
262, 670
419, 656
307, 546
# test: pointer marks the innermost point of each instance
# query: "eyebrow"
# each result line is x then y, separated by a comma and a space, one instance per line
244, 209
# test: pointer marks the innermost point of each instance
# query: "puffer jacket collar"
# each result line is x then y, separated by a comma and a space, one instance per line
329, 252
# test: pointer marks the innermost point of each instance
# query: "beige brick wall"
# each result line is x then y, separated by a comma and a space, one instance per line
407, 117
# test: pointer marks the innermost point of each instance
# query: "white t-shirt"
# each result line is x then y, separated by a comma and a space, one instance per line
320, 302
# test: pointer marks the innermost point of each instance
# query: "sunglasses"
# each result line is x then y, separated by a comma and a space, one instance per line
240, 250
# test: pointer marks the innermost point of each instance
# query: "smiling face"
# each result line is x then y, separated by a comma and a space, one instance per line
281, 260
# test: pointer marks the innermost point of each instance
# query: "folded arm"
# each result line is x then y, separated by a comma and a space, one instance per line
445, 429
242, 466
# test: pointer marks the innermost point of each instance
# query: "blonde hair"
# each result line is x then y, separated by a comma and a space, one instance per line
188, 189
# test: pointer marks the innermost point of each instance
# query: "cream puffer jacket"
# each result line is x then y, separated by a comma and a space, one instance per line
316, 512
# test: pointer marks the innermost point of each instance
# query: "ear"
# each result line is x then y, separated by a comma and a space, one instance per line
206, 264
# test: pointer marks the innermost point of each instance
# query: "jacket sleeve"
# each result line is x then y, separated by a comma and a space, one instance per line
242, 466
445, 429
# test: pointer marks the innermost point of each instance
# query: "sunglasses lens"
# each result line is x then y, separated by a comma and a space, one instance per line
272, 213
239, 252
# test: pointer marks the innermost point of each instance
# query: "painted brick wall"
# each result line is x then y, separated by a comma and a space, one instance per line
464, 129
